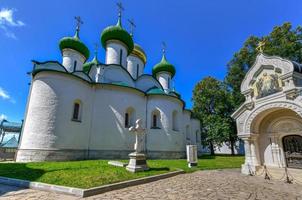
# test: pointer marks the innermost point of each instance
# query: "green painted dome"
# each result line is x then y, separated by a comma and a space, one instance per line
163, 66
117, 33
88, 65
74, 43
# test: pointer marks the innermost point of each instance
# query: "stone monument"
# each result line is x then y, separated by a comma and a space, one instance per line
138, 158
192, 155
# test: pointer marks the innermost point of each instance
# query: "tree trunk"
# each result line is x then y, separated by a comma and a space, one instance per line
212, 149
232, 147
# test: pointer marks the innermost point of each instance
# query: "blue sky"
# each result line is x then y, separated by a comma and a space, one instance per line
201, 36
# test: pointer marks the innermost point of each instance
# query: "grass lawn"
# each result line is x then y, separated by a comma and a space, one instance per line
92, 173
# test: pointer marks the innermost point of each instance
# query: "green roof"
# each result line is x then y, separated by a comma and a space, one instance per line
165, 66
88, 65
74, 43
120, 83
156, 91
117, 33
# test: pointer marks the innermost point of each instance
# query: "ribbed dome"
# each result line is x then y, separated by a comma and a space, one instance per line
139, 52
165, 66
88, 65
74, 43
117, 33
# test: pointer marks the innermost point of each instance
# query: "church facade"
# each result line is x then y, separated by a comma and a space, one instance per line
270, 120
83, 110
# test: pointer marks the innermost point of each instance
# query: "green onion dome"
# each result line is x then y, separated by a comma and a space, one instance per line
139, 52
117, 33
74, 43
87, 66
163, 66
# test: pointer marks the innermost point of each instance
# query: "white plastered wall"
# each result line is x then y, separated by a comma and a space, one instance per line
135, 66
69, 57
113, 49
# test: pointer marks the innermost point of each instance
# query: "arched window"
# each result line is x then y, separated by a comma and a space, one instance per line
121, 56
188, 136
74, 65
76, 115
175, 126
129, 117
197, 137
137, 68
155, 123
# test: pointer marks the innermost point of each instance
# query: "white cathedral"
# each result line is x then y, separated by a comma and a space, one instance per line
83, 110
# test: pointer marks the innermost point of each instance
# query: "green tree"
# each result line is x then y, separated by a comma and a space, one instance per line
211, 105
283, 41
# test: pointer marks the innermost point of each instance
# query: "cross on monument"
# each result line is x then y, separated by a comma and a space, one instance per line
79, 22
164, 46
120, 8
260, 46
132, 26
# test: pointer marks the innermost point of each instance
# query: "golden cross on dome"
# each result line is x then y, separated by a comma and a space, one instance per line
260, 46
120, 8
164, 47
79, 22
132, 26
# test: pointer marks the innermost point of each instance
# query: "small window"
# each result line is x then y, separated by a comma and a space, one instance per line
76, 111
121, 56
175, 121
75, 65
126, 120
154, 124
155, 121
168, 83
137, 70
129, 117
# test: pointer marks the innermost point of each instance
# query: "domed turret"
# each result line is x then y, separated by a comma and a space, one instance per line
136, 61
118, 44
164, 72
87, 66
163, 66
74, 51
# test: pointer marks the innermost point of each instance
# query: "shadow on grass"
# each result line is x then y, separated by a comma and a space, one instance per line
18, 171
159, 169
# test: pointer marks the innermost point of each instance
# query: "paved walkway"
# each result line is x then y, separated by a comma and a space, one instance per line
224, 184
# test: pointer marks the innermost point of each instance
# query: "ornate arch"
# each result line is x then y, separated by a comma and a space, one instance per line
269, 106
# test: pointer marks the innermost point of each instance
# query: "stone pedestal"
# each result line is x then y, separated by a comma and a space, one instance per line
137, 162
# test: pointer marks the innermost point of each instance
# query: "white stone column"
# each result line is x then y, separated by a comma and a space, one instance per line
251, 154
276, 151
254, 150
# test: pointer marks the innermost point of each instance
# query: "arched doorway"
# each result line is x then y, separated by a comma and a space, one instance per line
292, 147
269, 128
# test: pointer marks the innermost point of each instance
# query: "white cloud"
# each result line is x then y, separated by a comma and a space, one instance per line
4, 94
2, 117
7, 21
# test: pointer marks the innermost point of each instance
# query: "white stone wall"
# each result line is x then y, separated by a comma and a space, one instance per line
163, 78
164, 139
69, 57
113, 48
134, 62
50, 133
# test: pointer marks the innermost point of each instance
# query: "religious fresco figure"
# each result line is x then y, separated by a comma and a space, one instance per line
267, 84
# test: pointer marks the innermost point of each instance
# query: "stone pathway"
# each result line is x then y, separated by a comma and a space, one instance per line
218, 184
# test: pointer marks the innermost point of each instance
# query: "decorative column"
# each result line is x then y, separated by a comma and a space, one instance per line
254, 150
251, 154
276, 158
